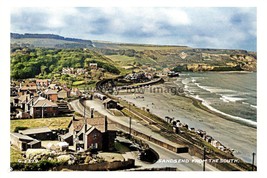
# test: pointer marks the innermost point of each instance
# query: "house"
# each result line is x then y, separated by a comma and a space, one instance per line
93, 66
51, 94
27, 90
63, 93
90, 133
22, 115
81, 71
23, 142
23, 100
215, 143
208, 138
76, 92
100, 96
67, 70
110, 104
39, 133
53, 86
30, 103
43, 108
43, 82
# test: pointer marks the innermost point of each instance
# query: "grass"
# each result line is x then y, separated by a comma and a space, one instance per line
53, 123
76, 83
116, 112
121, 148
15, 154
137, 47
122, 60
42, 42
127, 113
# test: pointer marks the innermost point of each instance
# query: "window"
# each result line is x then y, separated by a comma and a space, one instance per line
95, 136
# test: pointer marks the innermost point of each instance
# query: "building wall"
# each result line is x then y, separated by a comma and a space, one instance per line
53, 97
109, 140
42, 136
36, 145
95, 137
16, 142
38, 112
69, 140
111, 105
63, 94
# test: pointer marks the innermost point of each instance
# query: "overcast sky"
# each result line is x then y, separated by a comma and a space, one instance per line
231, 28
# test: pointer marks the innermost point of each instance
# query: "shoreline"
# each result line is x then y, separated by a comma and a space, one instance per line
232, 134
199, 104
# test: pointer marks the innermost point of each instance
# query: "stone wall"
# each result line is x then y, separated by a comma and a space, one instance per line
104, 166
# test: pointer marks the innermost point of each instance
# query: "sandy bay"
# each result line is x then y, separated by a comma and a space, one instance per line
241, 138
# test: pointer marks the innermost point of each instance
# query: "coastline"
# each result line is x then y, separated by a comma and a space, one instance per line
238, 136
199, 104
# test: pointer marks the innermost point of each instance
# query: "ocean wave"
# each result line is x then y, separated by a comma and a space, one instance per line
215, 89
186, 81
236, 118
231, 98
253, 106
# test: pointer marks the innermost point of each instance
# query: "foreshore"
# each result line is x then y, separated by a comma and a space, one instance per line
240, 137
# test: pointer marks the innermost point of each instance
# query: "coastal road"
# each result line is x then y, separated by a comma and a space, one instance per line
167, 158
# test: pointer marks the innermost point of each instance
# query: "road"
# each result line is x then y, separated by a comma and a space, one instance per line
167, 158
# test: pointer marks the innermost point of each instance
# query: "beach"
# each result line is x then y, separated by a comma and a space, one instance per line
237, 136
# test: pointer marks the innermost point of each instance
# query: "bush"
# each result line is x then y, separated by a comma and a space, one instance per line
20, 128
40, 166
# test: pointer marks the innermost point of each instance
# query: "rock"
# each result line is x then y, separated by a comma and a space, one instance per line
30, 153
64, 158
87, 159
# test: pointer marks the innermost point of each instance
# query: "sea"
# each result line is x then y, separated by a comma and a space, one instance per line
232, 94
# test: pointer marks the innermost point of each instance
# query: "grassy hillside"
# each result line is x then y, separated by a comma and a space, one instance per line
191, 59
123, 56
136, 47
43, 62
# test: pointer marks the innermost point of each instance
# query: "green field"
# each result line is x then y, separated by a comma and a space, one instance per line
53, 123
76, 83
122, 60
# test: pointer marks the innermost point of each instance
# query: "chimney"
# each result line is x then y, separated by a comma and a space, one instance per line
85, 124
106, 123
92, 112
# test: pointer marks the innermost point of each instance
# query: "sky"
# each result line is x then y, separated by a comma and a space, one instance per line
222, 27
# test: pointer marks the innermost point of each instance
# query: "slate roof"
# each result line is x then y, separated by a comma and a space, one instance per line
67, 135
50, 92
20, 136
35, 130
42, 102
97, 122
33, 142
108, 100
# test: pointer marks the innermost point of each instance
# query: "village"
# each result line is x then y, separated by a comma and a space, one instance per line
90, 136
86, 139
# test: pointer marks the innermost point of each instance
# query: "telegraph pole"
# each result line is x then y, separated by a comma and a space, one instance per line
253, 155
130, 122
204, 158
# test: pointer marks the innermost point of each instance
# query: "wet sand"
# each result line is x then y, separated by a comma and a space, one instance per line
233, 135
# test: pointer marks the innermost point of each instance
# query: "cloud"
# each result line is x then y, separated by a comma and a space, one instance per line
197, 27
